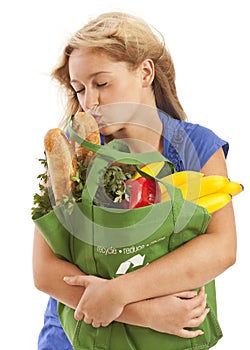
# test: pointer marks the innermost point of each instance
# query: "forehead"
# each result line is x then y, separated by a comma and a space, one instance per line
88, 57
86, 62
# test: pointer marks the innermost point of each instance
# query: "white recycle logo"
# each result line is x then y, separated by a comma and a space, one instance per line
135, 261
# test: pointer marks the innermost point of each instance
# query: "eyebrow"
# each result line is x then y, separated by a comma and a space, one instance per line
91, 76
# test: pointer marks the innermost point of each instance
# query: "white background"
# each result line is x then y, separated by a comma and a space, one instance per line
209, 42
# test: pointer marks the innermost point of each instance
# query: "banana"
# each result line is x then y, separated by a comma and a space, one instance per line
180, 178
152, 169
212, 192
214, 201
232, 188
201, 187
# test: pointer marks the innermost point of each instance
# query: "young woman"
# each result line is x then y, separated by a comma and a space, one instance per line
118, 59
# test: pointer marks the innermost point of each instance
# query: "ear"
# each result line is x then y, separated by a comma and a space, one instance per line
147, 72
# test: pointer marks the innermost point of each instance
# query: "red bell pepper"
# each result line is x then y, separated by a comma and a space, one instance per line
142, 192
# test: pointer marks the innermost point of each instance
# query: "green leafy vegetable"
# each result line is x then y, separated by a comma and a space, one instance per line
42, 201
111, 191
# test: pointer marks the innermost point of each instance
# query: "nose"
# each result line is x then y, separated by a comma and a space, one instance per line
91, 99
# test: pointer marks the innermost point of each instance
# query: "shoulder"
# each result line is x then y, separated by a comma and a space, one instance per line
193, 143
205, 143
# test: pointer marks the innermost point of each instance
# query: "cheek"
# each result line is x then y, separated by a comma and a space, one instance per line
126, 93
118, 114
132, 90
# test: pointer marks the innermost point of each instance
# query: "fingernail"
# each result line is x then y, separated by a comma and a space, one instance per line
67, 279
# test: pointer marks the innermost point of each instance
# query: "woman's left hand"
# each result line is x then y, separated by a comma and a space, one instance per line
100, 304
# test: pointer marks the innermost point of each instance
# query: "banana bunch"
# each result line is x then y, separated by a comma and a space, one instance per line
212, 191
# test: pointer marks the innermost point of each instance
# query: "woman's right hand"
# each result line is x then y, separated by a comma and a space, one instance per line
173, 313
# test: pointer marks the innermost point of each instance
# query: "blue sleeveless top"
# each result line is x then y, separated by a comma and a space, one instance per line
189, 146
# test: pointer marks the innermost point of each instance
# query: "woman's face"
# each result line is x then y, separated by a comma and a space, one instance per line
99, 81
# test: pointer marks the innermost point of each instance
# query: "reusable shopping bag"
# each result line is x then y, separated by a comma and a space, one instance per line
108, 242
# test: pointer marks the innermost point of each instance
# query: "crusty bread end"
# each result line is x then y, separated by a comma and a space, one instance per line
61, 161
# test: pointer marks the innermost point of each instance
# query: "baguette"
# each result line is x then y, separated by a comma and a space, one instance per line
86, 127
61, 161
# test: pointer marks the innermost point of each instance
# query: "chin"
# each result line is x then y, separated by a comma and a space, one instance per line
108, 138
111, 130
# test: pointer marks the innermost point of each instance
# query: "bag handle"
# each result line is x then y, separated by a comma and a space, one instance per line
118, 151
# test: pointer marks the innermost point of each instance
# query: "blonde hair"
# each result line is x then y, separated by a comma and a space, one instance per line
124, 38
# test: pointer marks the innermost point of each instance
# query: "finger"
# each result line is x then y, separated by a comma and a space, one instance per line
88, 320
76, 280
196, 322
186, 294
200, 308
96, 324
184, 333
202, 289
199, 300
78, 314
189, 294
105, 324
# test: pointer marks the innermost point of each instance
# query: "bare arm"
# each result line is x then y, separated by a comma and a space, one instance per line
158, 314
48, 272
212, 253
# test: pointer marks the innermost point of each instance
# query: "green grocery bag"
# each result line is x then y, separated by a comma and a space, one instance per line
108, 242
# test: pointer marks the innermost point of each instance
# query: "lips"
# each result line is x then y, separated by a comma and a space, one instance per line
97, 117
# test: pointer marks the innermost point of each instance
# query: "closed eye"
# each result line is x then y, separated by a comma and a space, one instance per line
80, 90
102, 84
97, 84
